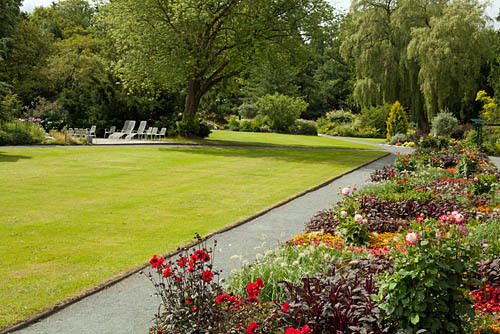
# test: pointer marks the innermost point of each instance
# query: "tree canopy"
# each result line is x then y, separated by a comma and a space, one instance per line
426, 53
198, 44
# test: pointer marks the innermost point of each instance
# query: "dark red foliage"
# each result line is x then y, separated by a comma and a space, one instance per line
389, 216
489, 271
340, 301
325, 221
383, 174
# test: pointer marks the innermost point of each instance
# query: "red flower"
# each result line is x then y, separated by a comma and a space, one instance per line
168, 271
305, 330
405, 160
252, 327
201, 255
193, 309
179, 278
188, 302
156, 262
259, 282
393, 175
181, 262
286, 307
253, 299
253, 289
207, 276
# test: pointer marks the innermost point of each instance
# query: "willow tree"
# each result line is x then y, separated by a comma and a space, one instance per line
197, 44
451, 50
406, 50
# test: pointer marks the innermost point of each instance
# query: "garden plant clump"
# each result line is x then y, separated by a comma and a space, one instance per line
417, 251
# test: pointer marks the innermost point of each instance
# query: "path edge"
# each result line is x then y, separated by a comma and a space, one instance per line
120, 277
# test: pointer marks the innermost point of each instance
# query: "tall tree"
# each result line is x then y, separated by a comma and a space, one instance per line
402, 49
198, 44
10, 15
450, 50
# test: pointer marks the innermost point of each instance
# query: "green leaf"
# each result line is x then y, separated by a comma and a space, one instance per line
415, 318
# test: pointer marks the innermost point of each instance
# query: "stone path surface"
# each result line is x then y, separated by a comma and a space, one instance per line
128, 306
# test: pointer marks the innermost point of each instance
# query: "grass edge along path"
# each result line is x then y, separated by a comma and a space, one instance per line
113, 166
256, 139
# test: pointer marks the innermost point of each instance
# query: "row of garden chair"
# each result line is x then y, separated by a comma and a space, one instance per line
128, 132
78, 132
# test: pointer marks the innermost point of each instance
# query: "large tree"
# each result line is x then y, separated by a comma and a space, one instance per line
425, 53
197, 44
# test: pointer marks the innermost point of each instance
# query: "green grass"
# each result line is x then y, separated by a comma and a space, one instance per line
74, 217
369, 140
232, 138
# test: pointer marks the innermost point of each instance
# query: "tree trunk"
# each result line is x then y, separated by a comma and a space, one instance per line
194, 94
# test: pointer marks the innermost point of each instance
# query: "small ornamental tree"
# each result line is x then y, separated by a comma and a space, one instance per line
397, 122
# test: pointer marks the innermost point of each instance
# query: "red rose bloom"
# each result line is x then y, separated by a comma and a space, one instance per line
253, 289
252, 327
193, 308
156, 262
188, 301
207, 276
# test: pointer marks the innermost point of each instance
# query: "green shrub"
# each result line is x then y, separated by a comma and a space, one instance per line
339, 117
428, 285
353, 233
21, 133
249, 125
10, 106
248, 110
193, 127
437, 143
305, 128
376, 117
282, 110
398, 138
444, 124
397, 122
233, 123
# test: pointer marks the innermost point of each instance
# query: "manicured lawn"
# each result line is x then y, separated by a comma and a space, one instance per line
220, 137
73, 217
369, 140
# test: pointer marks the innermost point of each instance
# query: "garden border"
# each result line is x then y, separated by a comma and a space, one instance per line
120, 277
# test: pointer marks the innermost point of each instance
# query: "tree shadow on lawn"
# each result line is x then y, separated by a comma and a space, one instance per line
321, 156
11, 158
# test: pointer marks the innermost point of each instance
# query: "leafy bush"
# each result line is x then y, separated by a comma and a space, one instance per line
444, 124
193, 127
248, 125
397, 122
353, 233
51, 113
282, 110
248, 110
233, 123
426, 289
434, 143
303, 127
10, 106
406, 163
346, 130
21, 133
398, 138
376, 117
468, 164
339, 117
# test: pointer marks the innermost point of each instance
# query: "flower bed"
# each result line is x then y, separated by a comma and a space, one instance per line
416, 252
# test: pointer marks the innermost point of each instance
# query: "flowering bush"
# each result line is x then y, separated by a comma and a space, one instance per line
428, 285
187, 288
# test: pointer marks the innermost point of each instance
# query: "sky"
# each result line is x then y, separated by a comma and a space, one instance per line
492, 10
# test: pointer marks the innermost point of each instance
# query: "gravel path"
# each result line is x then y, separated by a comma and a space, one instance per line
128, 306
